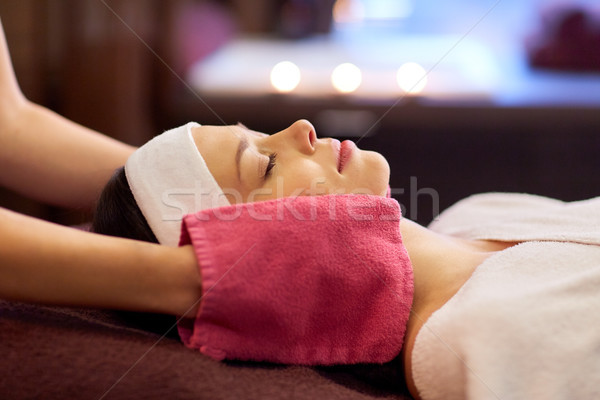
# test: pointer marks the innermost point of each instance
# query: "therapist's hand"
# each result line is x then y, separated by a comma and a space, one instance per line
46, 263
54, 160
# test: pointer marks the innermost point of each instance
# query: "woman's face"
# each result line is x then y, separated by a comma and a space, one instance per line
252, 166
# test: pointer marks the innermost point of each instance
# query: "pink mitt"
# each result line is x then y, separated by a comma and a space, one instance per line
302, 280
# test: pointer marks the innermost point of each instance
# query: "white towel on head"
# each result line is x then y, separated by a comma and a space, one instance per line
169, 179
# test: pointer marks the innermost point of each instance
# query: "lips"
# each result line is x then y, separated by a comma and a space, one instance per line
346, 149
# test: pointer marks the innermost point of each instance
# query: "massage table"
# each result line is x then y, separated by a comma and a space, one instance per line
68, 353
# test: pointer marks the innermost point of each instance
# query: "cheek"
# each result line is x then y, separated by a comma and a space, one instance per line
301, 177
305, 177
308, 177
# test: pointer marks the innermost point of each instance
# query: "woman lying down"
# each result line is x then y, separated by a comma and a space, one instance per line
304, 260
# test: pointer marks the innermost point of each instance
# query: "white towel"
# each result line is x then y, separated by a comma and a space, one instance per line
168, 179
527, 323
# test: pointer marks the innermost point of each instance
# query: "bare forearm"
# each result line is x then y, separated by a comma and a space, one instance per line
45, 263
49, 158
46, 156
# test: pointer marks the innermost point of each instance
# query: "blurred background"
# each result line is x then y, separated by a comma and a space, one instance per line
461, 97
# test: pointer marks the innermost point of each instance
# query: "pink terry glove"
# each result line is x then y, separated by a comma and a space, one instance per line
306, 280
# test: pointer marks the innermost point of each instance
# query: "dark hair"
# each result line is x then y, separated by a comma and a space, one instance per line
117, 213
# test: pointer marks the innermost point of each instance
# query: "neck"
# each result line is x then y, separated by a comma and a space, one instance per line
441, 264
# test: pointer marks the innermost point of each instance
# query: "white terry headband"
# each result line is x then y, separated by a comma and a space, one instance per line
169, 179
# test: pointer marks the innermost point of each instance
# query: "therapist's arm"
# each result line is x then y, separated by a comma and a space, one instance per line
52, 159
51, 264
47, 157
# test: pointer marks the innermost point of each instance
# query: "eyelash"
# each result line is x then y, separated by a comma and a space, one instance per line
271, 164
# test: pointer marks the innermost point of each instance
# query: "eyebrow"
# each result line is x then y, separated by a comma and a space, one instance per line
243, 145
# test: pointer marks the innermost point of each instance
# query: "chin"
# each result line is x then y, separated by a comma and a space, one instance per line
383, 176
377, 173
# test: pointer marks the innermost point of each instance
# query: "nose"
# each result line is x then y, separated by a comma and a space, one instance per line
301, 135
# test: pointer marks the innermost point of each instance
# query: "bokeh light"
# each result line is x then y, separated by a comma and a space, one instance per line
346, 11
412, 78
359, 11
346, 78
285, 76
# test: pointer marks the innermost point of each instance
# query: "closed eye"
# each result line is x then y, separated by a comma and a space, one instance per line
270, 165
